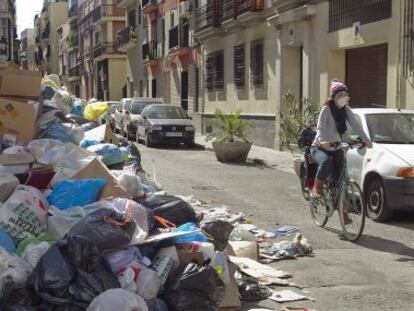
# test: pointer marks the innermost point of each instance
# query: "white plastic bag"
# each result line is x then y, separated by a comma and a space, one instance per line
8, 182
118, 299
33, 252
141, 280
131, 184
62, 101
75, 132
60, 222
23, 215
12, 269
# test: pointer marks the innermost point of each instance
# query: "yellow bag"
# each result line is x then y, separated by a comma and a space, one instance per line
95, 110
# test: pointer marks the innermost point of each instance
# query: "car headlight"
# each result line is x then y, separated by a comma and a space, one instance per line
189, 128
156, 128
405, 172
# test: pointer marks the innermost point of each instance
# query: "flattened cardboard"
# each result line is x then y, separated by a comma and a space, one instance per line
20, 83
16, 159
96, 169
17, 121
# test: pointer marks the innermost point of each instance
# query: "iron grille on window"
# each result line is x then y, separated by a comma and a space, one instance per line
239, 66
214, 79
343, 13
256, 62
408, 47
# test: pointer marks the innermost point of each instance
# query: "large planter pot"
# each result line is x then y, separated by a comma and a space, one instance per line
231, 152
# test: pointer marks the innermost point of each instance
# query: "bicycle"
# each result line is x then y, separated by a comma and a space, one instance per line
345, 196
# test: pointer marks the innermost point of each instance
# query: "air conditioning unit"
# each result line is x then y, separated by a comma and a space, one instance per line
185, 9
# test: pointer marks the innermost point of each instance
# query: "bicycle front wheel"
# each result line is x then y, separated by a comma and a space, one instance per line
352, 211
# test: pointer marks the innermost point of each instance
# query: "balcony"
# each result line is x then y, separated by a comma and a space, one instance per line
74, 73
127, 38
105, 48
125, 3
107, 12
180, 52
209, 16
149, 51
150, 8
185, 9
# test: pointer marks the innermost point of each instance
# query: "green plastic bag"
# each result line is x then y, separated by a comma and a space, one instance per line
43, 237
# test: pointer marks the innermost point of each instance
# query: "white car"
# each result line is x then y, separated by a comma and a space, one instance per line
119, 114
385, 172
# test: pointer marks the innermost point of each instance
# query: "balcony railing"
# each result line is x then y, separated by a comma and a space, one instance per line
105, 48
73, 11
107, 10
209, 15
150, 51
74, 71
126, 35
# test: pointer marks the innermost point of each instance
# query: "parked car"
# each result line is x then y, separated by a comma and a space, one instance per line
385, 172
120, 113
165, 124
133, 114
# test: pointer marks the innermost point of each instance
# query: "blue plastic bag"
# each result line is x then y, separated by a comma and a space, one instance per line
110, 154
89, 142
77, 108
6, 242
71, 193
195, 235
55, 130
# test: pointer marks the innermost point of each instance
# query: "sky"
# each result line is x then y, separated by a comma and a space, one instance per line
26, 11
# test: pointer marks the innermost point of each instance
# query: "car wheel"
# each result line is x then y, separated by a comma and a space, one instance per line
190, 144
376, 201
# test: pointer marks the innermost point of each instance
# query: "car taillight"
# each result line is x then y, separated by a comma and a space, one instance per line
405, 172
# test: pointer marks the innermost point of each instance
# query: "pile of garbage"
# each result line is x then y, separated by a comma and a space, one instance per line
84, 227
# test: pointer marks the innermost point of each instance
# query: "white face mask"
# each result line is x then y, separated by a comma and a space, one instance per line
343, 101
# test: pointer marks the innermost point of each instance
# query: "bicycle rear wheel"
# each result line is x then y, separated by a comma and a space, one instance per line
352, 211
319, 211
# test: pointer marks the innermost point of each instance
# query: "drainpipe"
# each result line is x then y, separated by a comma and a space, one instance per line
399, 76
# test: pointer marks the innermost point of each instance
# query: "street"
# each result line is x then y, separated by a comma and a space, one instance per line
376, 273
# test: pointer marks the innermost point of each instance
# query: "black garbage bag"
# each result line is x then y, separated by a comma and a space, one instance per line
17, 297
101, 230
220, 231
170, 208
195, 288
61, 284
157, 305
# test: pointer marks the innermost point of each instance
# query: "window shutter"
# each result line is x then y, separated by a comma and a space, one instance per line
239, 66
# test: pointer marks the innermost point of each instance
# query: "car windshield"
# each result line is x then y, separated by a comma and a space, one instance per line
391, 128
137, 107
167, 113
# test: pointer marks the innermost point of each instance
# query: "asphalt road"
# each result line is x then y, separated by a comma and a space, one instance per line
376, 273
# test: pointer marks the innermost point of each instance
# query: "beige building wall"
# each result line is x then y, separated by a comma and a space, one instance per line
117, 73
251, 100
58, 15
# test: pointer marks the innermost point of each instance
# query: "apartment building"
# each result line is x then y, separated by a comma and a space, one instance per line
27, 49
53, 15
162, 54
63, 33
8, 33
95, 58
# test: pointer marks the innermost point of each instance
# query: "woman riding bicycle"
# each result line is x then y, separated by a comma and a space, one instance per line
332, 124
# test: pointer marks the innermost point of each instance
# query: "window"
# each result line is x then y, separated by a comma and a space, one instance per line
172, 22
350, 136
239, 66
343, 13
256, 63
132, 18
215, 71
154, 88
139, 15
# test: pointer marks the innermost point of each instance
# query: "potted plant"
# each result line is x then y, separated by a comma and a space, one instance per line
231, 143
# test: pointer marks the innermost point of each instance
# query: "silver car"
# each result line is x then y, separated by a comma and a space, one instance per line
165, 124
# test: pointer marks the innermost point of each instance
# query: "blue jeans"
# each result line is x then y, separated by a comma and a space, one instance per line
329, 162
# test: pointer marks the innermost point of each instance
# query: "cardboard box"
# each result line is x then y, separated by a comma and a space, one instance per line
96, 169
20, 83
110, 137
18, 121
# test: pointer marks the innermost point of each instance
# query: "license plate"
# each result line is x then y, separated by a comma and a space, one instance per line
173, 134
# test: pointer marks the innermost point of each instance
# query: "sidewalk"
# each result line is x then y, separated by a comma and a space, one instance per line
282, 161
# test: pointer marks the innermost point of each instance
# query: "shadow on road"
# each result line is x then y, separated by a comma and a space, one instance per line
178, 147
381, 245
402, 219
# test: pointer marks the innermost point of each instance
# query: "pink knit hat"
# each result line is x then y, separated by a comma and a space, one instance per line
337, 87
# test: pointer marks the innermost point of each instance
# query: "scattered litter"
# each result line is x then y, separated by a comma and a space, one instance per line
287, 296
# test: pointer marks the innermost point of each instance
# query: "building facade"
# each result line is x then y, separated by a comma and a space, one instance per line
27, 49
8, 33
63, 33
162, 54
96, 67
53, 15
